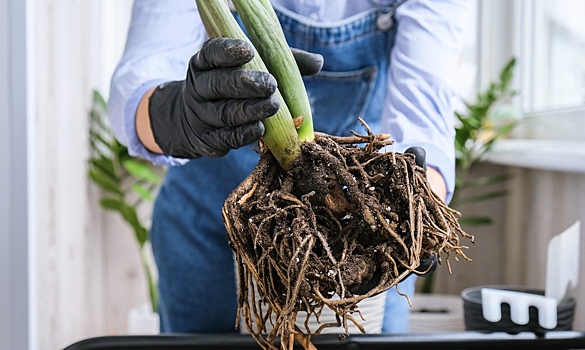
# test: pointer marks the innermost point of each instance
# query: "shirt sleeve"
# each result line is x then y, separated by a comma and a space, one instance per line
162, 37
420, 99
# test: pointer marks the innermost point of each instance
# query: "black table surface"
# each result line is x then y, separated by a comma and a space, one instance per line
443, 340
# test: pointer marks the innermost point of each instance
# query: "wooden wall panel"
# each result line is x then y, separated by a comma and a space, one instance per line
75, 45
487, 254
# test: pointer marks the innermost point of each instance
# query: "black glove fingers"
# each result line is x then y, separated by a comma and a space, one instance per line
240, 112
427, 265
420, 156
232, 138
231, 83
237, 112
308, 63
222, 52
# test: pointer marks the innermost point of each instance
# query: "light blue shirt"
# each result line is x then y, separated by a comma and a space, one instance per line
419, 105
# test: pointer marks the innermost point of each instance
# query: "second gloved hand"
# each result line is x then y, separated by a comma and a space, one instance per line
220, 105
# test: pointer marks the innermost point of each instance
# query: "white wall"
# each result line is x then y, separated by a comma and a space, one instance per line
88, 271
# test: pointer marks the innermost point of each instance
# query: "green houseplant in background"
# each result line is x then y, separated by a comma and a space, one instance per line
127, 184
477, 129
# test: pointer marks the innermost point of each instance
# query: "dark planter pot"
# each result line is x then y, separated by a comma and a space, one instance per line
475, 321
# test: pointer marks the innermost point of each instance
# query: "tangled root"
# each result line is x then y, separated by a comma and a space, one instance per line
345, 224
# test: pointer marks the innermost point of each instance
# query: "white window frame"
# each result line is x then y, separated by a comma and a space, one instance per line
15, 114
546, 139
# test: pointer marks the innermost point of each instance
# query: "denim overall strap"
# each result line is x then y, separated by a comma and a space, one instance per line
196, 271
353, 80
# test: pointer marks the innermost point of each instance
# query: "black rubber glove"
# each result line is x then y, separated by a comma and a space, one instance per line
219, 106
420, 156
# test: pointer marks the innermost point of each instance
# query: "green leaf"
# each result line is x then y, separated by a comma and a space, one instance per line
141, 171
485, 180
475, 220
104, 166
482, 197
121, 151
141, 234
99, 121
129, 214
503, 131
105, 140
98, 151
104, 181
112, 203
100, 101
507, 72
472, 122
144, 193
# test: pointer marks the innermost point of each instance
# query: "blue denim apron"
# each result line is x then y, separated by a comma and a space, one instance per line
196, 269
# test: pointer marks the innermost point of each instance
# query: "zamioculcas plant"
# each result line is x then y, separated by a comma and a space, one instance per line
320, 222
475, 135
128, 183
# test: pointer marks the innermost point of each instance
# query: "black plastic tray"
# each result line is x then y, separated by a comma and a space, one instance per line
457, 340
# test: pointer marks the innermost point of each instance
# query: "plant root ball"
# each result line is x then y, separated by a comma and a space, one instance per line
346, 223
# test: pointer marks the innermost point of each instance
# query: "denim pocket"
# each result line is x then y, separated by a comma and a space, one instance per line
339, 98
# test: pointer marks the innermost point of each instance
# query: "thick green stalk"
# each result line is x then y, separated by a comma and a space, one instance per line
152, 285
266, 33
280, 137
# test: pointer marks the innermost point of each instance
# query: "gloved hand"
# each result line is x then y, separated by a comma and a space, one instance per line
219, 106
420, 156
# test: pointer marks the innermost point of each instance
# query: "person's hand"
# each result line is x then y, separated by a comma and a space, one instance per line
220, 105
420, 156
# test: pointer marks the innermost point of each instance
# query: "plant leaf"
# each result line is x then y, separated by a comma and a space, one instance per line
104, 181
141, 171
507, 73
482, 197
100, 101
104, 166
129, 214
475, 220
112, 203
144, 193
485, 180
504, 130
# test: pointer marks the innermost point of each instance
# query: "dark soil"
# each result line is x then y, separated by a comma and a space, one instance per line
345, 224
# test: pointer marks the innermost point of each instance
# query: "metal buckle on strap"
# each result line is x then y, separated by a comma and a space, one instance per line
385, 20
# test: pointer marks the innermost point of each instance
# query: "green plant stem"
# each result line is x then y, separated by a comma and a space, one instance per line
426, 284
266, 33
280, 137
152, 285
